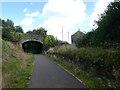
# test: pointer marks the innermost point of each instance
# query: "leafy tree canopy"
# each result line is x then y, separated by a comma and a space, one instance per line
9, 31
18, 29
38, 31
49, 41
107, 33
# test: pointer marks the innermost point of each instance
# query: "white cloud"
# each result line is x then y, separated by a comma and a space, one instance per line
25, 10
34, 14
27, 21
100, 6
69, 13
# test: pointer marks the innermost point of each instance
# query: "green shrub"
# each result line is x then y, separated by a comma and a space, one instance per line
104, 63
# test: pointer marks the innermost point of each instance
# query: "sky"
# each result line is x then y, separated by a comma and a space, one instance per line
54, 15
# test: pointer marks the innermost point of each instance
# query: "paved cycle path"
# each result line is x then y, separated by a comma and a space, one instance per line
47, 74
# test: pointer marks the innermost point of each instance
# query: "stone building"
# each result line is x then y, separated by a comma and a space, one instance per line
76, 35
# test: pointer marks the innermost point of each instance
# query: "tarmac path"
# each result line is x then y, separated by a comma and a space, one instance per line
47, 74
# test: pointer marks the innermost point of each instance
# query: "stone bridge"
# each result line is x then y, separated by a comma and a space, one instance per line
32, 43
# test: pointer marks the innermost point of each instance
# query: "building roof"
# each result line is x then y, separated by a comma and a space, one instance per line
77, 32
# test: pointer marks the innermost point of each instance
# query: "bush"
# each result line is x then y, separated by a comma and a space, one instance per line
104, 63
10, 32
107, 33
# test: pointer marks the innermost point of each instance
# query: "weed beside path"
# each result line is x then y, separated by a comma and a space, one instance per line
82, 76
16, 66
101, 66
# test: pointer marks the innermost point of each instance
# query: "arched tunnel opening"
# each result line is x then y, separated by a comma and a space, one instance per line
34, 47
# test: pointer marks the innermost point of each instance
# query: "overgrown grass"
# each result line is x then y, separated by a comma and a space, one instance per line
88, 80
16, 66
98, 63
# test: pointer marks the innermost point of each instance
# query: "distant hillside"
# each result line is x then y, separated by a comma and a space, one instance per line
16, 66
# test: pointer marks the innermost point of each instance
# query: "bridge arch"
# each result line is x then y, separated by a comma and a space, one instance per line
32, 46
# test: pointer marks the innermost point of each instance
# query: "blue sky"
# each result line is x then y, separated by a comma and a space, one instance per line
54, 14
15, 10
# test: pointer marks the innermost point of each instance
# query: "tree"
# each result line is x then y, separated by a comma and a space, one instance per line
10, 25
40, 31
29, 32
107, 33
7, 28
49, 42
109, 24
10, 32
18, 29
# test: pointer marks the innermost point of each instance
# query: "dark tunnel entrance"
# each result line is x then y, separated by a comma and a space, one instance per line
32, 47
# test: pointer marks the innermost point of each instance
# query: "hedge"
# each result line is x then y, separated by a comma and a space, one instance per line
104, 63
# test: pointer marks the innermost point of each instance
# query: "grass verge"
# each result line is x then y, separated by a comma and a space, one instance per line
84, 77
101, 64
16, 66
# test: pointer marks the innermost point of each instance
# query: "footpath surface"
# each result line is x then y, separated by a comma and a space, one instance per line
47, 74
